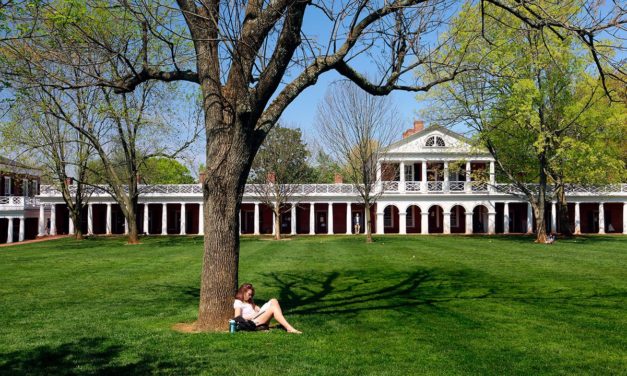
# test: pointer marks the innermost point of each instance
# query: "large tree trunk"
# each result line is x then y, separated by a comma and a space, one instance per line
76, 218
277, 222
230, 151
133, 231
539, 205
368, 224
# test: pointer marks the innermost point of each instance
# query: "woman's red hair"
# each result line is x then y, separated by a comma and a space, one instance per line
242, 290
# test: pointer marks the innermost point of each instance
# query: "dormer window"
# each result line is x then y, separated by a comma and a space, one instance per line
435, 141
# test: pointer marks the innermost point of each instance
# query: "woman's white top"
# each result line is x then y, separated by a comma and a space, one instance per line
248, 312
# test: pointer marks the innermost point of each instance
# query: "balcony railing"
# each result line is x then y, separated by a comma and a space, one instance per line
18, 201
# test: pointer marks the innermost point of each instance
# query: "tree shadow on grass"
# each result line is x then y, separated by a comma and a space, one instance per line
87, 356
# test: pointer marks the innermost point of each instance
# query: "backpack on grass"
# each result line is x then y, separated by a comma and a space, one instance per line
248, 325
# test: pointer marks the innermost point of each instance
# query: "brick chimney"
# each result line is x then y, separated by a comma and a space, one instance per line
338, 179
419, 125
271, 177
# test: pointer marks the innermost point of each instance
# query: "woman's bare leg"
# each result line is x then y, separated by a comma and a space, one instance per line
275, 311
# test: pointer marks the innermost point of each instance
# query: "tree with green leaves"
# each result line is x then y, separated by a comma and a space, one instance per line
524, 100
251, 59
278, 170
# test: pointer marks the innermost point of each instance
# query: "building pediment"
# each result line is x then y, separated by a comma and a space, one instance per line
434, 140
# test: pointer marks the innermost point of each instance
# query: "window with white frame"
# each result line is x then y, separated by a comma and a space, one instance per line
409, 172
436, 141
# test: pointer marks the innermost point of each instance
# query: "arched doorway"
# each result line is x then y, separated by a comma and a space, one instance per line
413, 219
390, 220
480, 220
458, 219
436, 220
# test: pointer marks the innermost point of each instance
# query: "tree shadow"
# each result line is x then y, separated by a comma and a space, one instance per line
87, 356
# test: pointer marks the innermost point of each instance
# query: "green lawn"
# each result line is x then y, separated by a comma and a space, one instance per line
403, 305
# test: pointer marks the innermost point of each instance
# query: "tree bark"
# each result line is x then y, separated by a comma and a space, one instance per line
229, 157
368, 222
539, 205
562, 210
277, 223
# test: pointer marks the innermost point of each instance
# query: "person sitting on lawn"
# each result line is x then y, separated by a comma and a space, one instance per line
245, 306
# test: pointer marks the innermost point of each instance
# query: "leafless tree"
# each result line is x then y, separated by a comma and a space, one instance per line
251, 59
356, 127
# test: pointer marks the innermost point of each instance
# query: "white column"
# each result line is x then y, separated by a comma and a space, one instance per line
10, 230
446, 181
625, 218
553, 218
577, 219
21, 229
468, 223
349, 218
601, 218
423, 182
42, 221
468, 186
90, 219
256, 219
330, 219
447, 222
53, 219
402, 222
491, 223
529, 219
164, 219
70, 225
273, 223
201, 219
424, 222
401, 186
293, 219
108, 219
492, 177
378, 177
312, 219
380, 229
506, 218
239, 221
184, 220
146, 230
125, 226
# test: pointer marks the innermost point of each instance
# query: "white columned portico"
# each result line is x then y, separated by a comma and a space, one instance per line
402, 222
445, 188
42, 221
273, 223
401, 187
424, 222
256, 219
577, 219
380, 229
553, 218
21, 229
349, 213
71, 228
184, 220
53, 219
601, 218
125, 226
330, 219
506, 218
423, 173
293, 219
201, 219
447, 222
468, 186
164, 219
312, 219
10, 230
625, 218
146, 229
491, 223
468, 223
90, 219
529, 219
108, 230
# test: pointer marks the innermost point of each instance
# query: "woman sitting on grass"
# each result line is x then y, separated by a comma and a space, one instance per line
245, 306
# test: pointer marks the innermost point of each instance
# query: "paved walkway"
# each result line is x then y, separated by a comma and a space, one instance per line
44, 239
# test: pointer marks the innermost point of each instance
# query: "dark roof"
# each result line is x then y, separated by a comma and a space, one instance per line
12, 163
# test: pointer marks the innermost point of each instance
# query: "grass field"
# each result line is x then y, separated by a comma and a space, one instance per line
403, 305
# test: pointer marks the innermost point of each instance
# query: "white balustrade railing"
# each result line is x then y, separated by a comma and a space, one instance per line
411, 187
434, 186
19, 201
